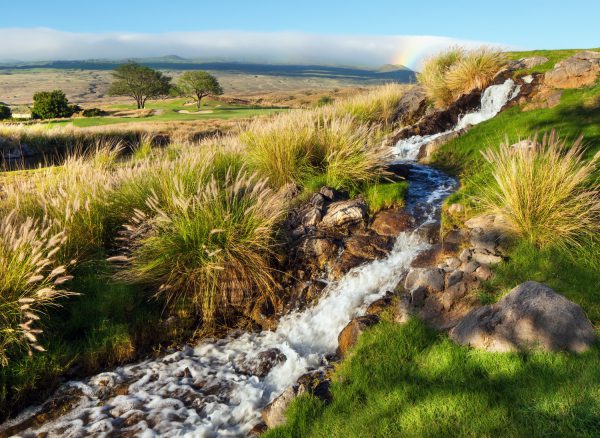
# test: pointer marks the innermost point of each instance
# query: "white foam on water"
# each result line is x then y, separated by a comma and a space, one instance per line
493, 100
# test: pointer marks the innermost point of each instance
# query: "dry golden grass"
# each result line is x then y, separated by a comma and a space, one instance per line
547, 192
457, 71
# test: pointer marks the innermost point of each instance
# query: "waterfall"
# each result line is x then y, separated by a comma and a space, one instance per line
493, 100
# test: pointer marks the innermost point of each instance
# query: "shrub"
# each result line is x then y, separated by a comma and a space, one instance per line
5, 112
545, 192
92, 112
324, 100
212, 248
30, 279
51, 105
457, 71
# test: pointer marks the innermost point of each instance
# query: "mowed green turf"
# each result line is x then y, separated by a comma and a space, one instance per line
409, 381
167, 111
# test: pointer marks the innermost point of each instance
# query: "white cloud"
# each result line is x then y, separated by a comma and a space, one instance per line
276, 47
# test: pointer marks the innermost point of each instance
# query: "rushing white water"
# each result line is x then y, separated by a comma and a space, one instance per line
199, 392
493, 99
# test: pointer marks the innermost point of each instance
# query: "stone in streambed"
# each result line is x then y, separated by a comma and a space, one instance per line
392, 222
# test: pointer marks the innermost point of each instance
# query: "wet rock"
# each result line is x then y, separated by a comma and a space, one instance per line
483, 273
315, 383
344, 263
261, 364
257, 430
531, 316
348, 337
430, 232
397, 171
428, 257
392, 222
574, 72
367, 246
380, 305
274, 413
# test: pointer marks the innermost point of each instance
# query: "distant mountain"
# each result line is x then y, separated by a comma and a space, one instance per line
388, 72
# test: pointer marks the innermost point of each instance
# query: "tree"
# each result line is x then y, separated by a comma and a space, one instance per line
51, 105
5, 112
140, 82
199, 84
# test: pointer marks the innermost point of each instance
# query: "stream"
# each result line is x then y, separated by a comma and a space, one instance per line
199, 391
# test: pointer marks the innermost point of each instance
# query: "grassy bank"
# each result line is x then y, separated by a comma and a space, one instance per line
411, 381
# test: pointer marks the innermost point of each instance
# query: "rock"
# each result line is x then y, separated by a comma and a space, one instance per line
531, 316
274, 413
412, 105
430, 232
452, 262
392, 222
470, 267
368, 246
484, 257
483, 273
465, 255
482, 240
344, 263
312, 218
318, 200
257, 430
348, 337
454, 277
574, 72
329, 193
315, 383
527, 63
432, 279
261, 364
487, 222
380, 305
417, 296
452, 294
318, 250
428, 149
402, 310
544, 97
398, 171
340, 213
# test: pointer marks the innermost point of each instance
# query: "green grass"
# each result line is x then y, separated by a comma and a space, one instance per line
219, 110
407, 380
385, 195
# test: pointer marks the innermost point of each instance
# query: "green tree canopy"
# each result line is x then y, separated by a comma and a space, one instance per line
5, 112
51, 105
139, 82
199, 84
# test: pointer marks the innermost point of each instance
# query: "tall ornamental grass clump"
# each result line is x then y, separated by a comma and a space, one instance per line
457, 71
547, 192
31, 280
211, 249
301, 146
73, 198
378, 106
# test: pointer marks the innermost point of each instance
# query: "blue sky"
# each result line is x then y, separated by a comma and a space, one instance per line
515, 24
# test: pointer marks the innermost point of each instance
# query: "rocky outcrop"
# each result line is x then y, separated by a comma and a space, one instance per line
392, 222
338, 214
531, 316
577, 71
412, 105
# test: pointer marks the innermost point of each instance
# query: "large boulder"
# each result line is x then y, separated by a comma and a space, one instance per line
412, 105
526, 63
341, 213
531, 316
574, 72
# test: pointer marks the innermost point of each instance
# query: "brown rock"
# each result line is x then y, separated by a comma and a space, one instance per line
531, 316
392, 222
368, 246
574, 72
452, 294
340, 213
348, 337
483, 273
527, 63
380, 305
274, 413
344, 263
